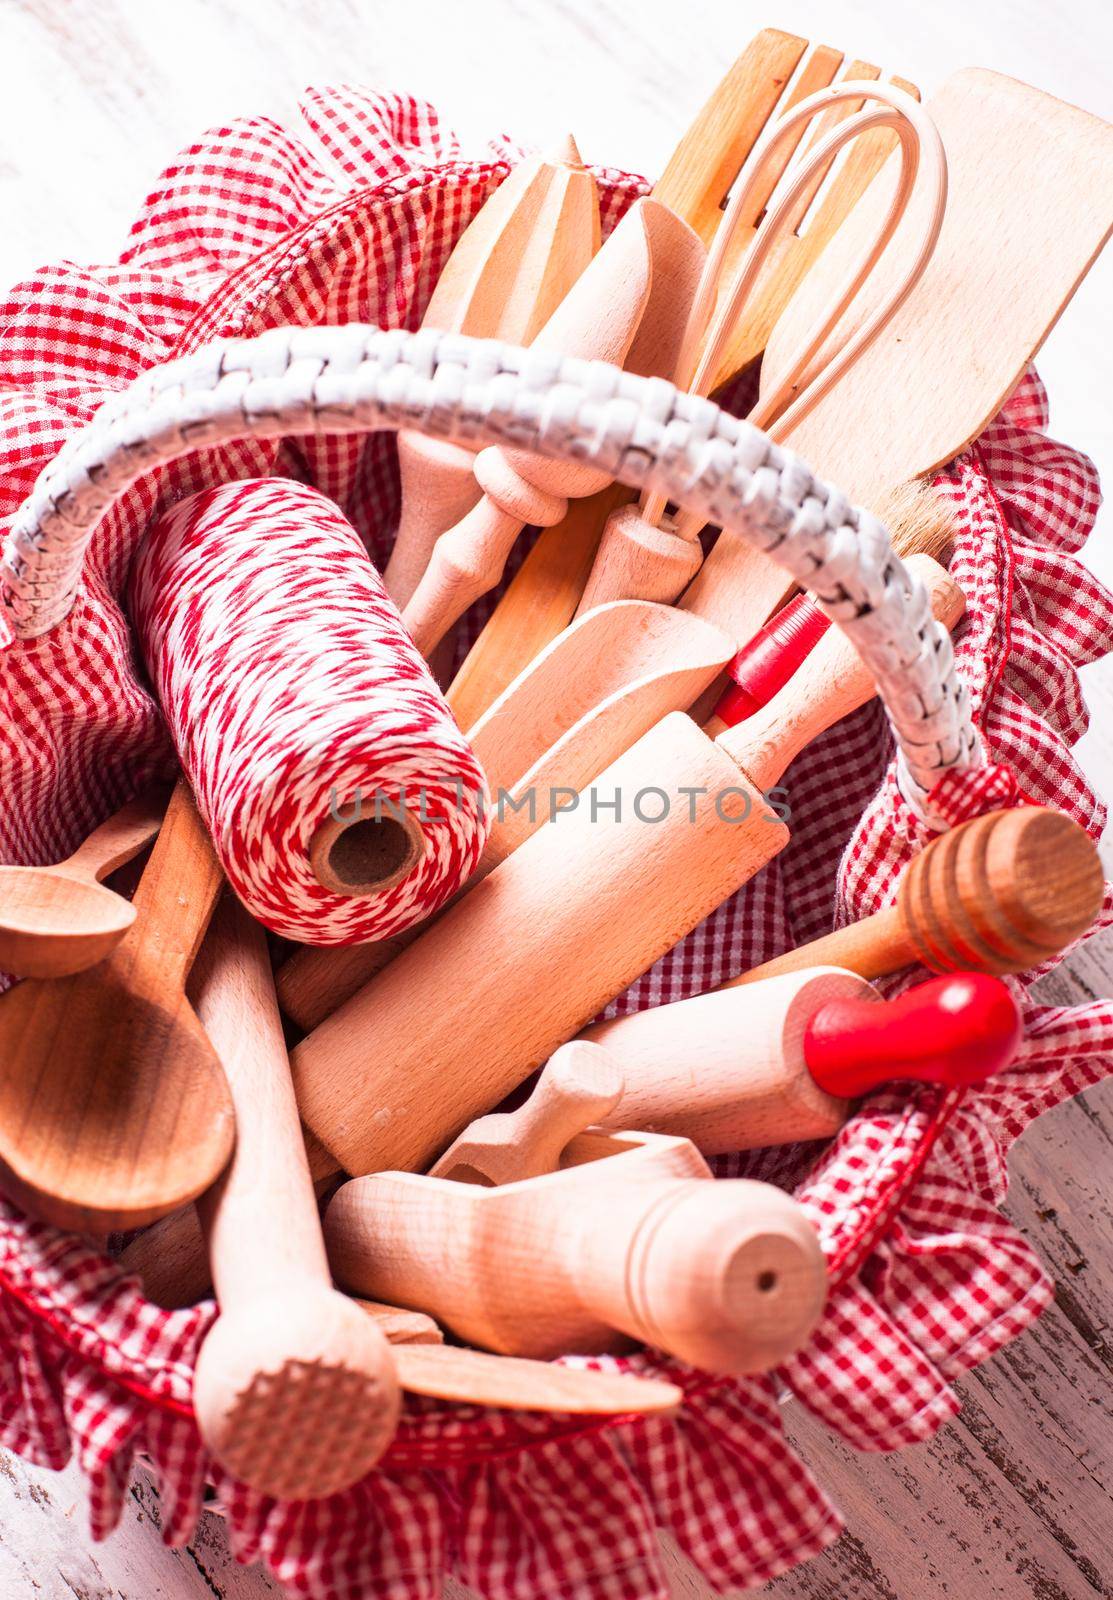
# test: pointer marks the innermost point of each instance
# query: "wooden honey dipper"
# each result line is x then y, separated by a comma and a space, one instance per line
1001, 893
632, 1239
563, 925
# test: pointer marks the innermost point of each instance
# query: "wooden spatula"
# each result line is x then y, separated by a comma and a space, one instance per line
1030, 207
761, 84
60, 919
113, 1105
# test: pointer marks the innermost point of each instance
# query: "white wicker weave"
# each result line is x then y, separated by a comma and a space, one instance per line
642, 431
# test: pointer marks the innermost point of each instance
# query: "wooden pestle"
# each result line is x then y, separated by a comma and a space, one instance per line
783, 1062
1001, 893
632, 1238
628, 308
510, 269
564, 925
290, 1362
579, 1086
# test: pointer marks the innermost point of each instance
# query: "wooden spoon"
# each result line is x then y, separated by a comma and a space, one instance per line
113, 1105
60, 919
447, 1372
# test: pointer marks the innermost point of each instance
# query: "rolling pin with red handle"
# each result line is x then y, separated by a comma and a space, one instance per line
564, 925
782, 1060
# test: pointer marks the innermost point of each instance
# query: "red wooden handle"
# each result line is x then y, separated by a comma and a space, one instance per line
955, 1030
768, 661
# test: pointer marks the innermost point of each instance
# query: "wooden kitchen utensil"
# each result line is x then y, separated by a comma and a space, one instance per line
580, 1085
476, 1377
1029, 209
629, 308
728, 1276
60, 919
113, 1105
510, 269
645, 555
760, 85
784, 1064
595, 690
290, 1363
564, 925
1001, 893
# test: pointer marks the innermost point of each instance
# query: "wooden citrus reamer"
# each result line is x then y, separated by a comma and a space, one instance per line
728, 1276
113, 1105
509, 270
629, 308
762, 83
289, 1362
564, 924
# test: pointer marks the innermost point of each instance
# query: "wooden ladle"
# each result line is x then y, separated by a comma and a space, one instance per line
61, 919
114, 1108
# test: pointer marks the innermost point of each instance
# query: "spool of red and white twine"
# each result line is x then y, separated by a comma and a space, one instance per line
343, 800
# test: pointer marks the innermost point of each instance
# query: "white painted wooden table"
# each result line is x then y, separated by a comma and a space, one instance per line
1014, 1498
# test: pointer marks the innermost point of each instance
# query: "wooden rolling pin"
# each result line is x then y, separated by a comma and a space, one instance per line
564, 925
596, 689
632, 1238
1001, 893
290, 1363
629, 308
783, 1062
510, 269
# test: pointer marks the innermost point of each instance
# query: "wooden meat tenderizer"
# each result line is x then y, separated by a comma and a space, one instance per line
580, 1085
295, 1389
1001, 893
564, 925
510, 269
631, 1238
629, 308
782, 1063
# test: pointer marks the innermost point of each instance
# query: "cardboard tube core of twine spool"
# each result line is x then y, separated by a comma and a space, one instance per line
366, 855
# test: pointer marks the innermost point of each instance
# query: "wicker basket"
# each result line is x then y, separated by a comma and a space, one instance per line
250, 232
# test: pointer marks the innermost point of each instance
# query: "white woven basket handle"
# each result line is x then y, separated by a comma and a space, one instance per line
641, 431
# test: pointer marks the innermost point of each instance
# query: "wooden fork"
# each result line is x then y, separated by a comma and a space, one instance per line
774, 73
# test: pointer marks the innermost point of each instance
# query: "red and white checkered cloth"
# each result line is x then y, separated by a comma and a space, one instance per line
349, 216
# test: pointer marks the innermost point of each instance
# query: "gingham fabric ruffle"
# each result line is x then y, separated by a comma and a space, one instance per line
349, 216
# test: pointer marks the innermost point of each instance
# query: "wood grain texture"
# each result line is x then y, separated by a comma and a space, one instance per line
105, 92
